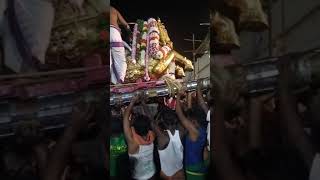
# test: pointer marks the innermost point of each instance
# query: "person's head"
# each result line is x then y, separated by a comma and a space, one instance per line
168, 118
141, 124
197, 116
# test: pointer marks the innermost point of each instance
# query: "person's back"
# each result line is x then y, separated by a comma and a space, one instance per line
114, 17
142, 161
171, 157
194, 150
141, 150
118, 64
140, 143
195, 140
170, 147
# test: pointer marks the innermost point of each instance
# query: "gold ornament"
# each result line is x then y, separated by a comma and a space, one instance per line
226, 36
151, 64
134, 71
179, 72
252, 16
163, 64
183, 61
164, 37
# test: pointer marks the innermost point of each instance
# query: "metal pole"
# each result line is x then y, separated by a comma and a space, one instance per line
193, 51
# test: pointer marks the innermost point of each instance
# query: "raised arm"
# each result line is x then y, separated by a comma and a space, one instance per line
186, 123
122, 20
290, 118
145, 108
155, 127
189, 100
41, 154
58, 159
200, 99
226, 168
126, 120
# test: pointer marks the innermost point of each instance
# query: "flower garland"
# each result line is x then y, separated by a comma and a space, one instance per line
154, 37
143, 43
134, 43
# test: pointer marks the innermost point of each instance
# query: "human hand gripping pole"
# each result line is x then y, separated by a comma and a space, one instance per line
225, 95
289, 117
81, 114
186, 123
126, 122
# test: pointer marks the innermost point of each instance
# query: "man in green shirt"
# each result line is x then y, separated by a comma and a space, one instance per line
118, 150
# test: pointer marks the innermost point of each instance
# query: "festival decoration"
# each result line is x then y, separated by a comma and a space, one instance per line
171, 70
179, 72
134, 71
170, 88
134, 43
163, 64
252, 17
75, 34
152, 55
164, 37
225, 33
186, 63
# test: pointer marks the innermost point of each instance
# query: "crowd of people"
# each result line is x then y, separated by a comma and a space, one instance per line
254, 137
172, 143
35, 154
271, 136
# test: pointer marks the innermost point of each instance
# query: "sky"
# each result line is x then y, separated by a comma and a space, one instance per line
181, 18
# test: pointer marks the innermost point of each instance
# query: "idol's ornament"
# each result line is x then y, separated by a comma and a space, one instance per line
225, 33
251, 17
152, 54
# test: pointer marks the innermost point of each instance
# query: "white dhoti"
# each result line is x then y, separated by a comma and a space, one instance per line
118, 64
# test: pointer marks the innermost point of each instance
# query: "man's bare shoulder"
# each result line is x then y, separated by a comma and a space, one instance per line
113, 10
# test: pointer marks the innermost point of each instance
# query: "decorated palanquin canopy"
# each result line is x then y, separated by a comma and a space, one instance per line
152, 54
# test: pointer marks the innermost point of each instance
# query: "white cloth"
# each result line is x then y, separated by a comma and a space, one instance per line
118, 64
144, 167
35, 29
171, 158
315, 169
208, 129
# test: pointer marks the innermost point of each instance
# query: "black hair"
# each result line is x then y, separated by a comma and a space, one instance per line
198, 114
141, 124
167, 118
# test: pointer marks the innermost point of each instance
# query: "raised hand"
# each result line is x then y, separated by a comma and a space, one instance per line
181, 92
81, 114
135, 98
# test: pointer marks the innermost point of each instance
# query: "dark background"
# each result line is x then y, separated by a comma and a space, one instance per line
181, 18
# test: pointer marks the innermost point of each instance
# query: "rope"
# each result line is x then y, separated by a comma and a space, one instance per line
172, 85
